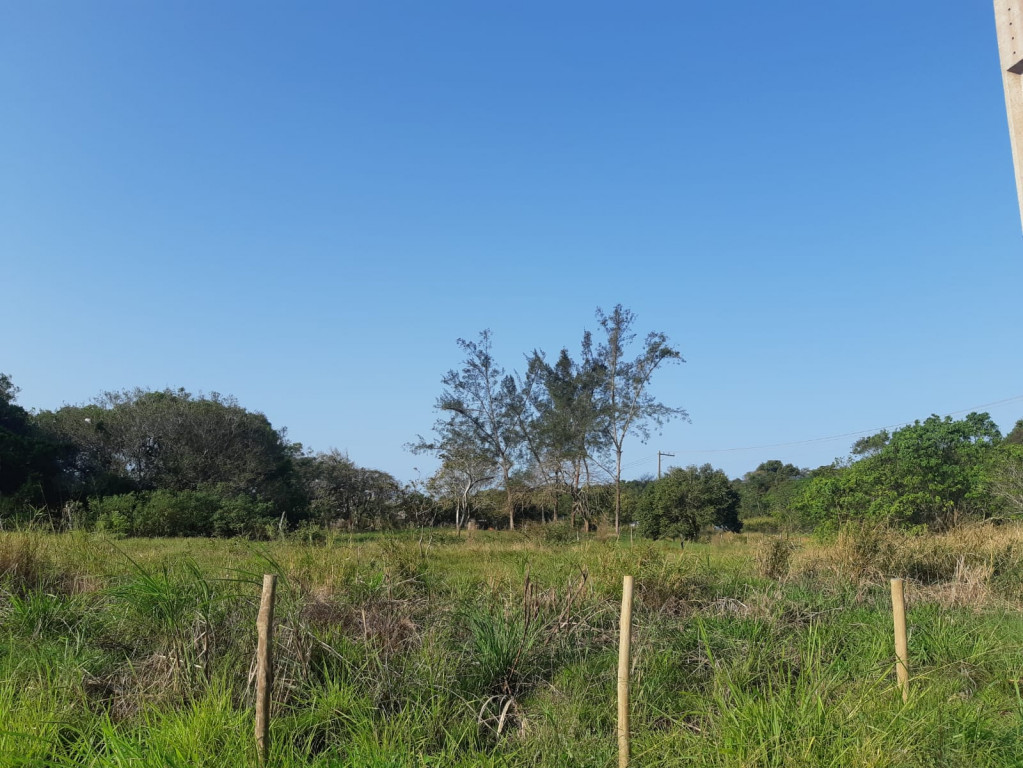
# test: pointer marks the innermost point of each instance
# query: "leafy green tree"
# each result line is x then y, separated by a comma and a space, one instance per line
685, 501
140, 440
89, 466
417, 508
1007, 477
1015, 437
831, 494
766, 490
625, 404
872, 445
342, 493
29, 462
932, 473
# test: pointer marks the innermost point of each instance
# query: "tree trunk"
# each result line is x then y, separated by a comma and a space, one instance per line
462, 510
618, 490
511, 499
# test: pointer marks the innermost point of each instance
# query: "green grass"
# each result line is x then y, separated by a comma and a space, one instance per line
501, 650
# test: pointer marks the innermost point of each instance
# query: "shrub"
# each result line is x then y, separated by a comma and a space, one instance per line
185, 513
685, 501
205, 512
550, 534
115, 514
242, 515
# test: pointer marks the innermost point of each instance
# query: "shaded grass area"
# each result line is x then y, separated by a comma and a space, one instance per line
428, 650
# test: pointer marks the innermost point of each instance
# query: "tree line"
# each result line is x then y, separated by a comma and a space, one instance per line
166, 462
540, 445
929, 475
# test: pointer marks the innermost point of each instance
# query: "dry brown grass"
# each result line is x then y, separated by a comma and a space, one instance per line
972, 565
23, 563
774, 557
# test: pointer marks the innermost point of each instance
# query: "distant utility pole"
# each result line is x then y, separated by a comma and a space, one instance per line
1009, 26
659, 454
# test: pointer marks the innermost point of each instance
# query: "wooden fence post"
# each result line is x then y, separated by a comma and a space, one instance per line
264, 665
901, 641
623, 673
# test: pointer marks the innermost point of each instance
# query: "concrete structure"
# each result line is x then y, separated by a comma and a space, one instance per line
1009, 24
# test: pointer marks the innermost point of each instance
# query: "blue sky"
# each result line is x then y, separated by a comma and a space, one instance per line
305, 206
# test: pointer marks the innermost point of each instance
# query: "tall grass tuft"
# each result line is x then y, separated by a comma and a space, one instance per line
774, 558
23, 566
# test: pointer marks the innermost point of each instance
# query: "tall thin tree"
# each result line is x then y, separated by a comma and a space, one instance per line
484, 402
567, 417
625, 402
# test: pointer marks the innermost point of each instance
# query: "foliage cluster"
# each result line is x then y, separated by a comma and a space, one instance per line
167, 463
180, 513
686, 501
935, 473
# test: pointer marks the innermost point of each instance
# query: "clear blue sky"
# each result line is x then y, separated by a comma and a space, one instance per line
304, 205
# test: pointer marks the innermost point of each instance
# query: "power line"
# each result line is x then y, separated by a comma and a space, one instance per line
847, 434
635, 462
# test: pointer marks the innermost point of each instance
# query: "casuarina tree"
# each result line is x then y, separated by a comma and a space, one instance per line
625, 403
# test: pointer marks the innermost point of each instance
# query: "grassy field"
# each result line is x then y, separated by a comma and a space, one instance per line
501, 650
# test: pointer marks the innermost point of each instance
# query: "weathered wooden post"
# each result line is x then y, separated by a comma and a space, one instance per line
623, 673
901, 641
1009, 28
264, 665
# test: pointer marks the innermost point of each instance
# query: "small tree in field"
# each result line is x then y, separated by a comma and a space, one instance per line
685, 501
464, 469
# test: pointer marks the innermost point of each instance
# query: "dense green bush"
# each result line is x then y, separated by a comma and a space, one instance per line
180, 513
685, 501
934, 473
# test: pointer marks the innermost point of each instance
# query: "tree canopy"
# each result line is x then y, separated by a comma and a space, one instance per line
932, 472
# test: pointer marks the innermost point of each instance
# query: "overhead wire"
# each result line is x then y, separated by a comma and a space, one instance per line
831, 438
643, 460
